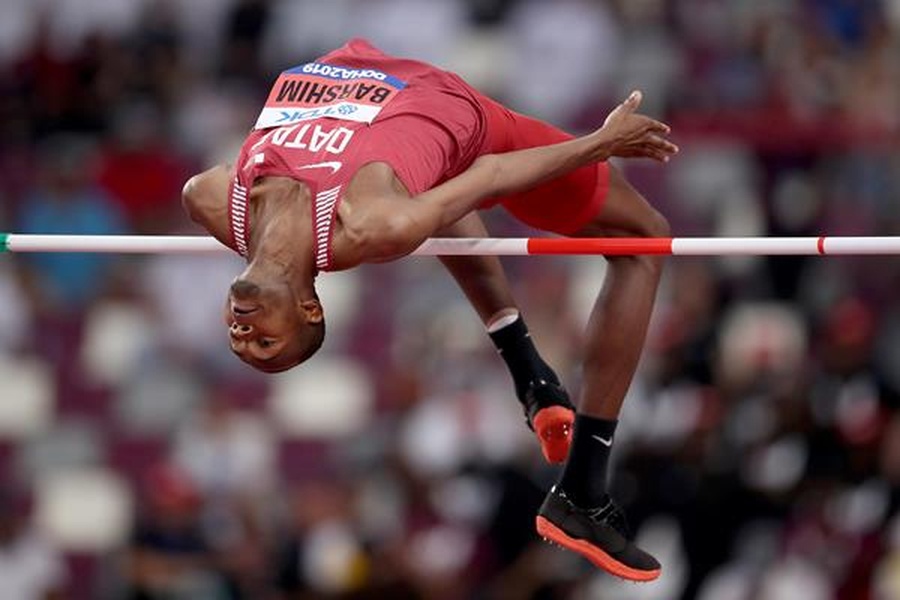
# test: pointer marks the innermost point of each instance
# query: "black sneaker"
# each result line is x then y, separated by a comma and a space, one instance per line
599, 534
550, 415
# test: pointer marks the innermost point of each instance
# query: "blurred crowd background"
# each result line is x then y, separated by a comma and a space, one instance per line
759, 452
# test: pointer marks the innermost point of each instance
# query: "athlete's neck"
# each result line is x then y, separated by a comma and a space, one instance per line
280, 244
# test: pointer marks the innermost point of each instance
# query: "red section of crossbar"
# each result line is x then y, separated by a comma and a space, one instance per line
608, 247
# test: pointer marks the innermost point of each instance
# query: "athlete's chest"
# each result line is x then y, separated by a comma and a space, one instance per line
372, 192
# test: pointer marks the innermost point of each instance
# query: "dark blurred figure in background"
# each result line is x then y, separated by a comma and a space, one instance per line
67, 199
169, 555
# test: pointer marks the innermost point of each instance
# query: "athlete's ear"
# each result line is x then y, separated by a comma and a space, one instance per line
312, 310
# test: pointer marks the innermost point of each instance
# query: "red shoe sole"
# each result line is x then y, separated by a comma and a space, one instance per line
553, 426
601, 559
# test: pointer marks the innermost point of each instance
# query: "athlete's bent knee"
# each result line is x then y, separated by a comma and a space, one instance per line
645, 221
627, 213
656, 225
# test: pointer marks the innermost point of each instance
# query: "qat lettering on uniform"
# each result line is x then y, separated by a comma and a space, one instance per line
308, 137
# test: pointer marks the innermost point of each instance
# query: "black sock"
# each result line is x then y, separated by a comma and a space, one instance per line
584, 477
525, 364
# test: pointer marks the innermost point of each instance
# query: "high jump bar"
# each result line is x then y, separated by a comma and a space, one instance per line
678, 246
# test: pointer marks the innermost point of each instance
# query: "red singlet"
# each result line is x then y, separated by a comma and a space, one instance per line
324, 120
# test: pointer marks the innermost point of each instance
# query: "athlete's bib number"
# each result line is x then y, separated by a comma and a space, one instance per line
316, 90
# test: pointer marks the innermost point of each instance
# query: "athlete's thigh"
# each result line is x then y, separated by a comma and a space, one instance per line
562, 205
565, 204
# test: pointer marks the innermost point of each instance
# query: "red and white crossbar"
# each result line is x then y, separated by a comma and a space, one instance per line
679, 246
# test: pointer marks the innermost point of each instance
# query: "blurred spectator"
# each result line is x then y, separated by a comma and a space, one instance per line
320, 554
16, 320
67, 201
139, 170
30, 567
189, 325
553, 76
169, 556
16, 29
225, 451
230, 455
245, 31
72, 21
401, 27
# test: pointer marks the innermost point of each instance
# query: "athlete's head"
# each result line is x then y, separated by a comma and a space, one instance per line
269, 327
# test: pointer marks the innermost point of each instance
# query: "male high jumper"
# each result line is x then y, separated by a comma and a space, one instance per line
359, 157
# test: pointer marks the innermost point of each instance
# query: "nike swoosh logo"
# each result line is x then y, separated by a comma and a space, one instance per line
605, 441
334, 165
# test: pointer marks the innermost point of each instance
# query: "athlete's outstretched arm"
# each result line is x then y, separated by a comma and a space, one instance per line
624, 133
205, 199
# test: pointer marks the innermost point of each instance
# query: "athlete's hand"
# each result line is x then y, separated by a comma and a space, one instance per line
627, 134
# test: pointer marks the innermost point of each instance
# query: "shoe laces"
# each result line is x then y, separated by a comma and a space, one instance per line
607, 513
610, 514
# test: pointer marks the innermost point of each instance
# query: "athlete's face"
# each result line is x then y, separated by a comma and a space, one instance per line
269, 328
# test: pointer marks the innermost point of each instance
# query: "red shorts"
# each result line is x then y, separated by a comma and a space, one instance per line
563, 205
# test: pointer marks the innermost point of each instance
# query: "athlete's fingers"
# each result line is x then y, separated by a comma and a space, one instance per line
654, 126
632, 102
662, 144
663, 157
659, 142
643, 126
667, 149
625, 108
629, 104
653, 151
655, 154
